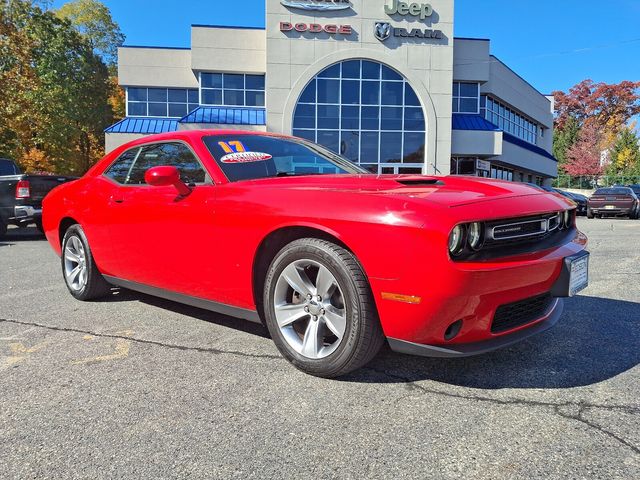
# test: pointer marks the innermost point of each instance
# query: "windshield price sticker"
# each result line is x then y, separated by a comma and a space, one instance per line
245, 157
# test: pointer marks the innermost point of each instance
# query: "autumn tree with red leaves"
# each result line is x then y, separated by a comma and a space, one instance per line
589, 119
584, 157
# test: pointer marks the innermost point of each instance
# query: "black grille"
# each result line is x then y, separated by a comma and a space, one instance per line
532, 234
519, 229
520, 313
531, 228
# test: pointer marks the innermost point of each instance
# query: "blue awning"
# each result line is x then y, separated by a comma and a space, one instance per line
227, 116
144, 125
473, 122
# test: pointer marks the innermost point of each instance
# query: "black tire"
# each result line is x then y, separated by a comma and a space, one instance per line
3, 229
39, 226
96, 286
589, 213
362, 336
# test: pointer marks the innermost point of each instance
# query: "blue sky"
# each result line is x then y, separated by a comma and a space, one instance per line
552, 44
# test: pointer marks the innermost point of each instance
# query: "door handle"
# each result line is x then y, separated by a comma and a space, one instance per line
117, 199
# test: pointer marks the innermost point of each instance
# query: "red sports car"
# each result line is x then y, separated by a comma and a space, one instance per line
333, 259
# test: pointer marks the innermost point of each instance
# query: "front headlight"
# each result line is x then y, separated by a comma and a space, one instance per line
456, 239
475, 236
566, 219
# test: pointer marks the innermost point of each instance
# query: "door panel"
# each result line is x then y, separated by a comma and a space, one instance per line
161, 238
165, 240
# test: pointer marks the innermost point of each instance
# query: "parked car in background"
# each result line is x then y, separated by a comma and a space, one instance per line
636, 189
613, 202
580, 200
281, 230
21, 195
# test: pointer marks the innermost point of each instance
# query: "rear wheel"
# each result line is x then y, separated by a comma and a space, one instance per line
83, 279
319, 309
3, 228
589, 213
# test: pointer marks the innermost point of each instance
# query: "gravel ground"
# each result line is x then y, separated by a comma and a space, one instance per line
136, 387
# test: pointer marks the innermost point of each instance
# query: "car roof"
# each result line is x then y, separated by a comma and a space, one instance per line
197, 134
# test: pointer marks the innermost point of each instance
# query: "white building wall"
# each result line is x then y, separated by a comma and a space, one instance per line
114, 140
155, 67
241, 50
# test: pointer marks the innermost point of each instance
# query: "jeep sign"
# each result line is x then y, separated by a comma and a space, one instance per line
422, 10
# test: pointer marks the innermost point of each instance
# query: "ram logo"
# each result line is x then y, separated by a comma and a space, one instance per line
382, 31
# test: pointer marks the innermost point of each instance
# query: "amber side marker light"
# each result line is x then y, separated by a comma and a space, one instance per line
396, 297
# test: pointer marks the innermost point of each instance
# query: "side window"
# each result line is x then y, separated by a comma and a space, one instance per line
150, 156
119, 170
170, 154
181, 157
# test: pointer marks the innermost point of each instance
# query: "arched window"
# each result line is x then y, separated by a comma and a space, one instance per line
367, 112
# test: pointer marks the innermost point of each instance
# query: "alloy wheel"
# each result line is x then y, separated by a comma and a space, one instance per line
309, 309
75, 264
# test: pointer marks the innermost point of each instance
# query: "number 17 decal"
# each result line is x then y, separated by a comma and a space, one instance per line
234, 146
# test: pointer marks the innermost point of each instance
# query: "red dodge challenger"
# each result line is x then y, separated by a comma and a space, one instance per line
333, 259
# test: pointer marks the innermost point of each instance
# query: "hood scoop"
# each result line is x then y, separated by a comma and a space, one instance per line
421, 182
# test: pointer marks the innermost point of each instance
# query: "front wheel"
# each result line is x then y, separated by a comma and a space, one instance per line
319, 309
589, 213
83, 279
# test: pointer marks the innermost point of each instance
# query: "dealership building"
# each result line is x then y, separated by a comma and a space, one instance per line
382, 82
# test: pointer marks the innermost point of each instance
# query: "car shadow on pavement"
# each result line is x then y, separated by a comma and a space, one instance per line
124, 295
27, 234
595, 340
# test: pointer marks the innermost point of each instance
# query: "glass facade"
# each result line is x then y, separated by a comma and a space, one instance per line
466, 97
366, 112
232, 89
161, 102
502, 173
509, 120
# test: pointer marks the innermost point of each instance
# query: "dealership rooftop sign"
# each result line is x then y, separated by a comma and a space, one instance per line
422, 10
317, 5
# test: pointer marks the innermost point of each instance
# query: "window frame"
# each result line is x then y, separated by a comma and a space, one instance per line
222, 89
146, 103
512, 121
335, 73
458, 98
500, 173
208, 177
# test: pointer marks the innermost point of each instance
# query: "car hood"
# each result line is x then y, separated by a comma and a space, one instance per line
451, 191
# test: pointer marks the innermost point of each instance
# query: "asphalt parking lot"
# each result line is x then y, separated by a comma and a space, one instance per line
136, 387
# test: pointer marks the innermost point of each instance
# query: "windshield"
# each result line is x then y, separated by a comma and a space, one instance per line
613, 191
249, 157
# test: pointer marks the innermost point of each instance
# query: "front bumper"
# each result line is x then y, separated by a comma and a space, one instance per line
478, 348
26, 214
478, 299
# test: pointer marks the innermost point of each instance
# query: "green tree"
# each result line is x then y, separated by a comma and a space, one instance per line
625, 154
564, 139
94, 22
55, 89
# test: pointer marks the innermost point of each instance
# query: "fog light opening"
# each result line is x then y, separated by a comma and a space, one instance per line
453, 330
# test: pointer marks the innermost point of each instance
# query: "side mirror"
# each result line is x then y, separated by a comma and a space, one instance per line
165, 176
